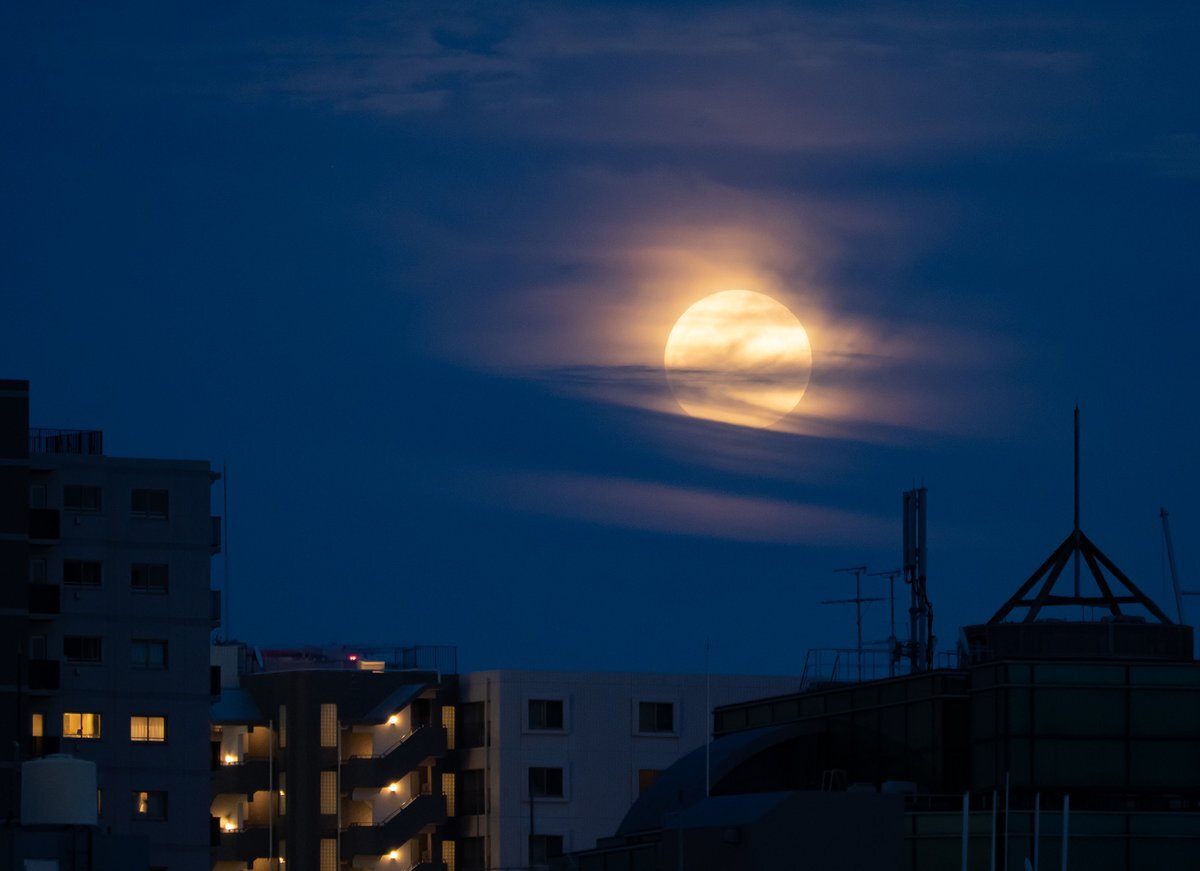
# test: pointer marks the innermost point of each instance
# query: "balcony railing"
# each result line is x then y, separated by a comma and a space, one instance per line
66, 441
45, 599
44, 524
243, 778
43, 674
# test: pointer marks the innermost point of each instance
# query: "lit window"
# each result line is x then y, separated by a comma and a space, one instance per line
656, 717
147, 728
448, 855
283, 725
149, 654
448, 792
448, 723
149, 804
282, 793
329, 725
148, 503
546, 782
37, 726
83, 725
329, 796
81, 572
82, 648
81, 499
546, 714
148, 577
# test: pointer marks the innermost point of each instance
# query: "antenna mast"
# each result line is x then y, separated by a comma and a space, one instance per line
857, 601
919, 648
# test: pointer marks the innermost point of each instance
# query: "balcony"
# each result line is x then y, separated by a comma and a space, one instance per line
244, 778
66, 441
44, 524
401, 759
44, 600
420, 811
43, 675
245, 844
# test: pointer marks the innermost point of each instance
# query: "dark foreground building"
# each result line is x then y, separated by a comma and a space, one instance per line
1047, 727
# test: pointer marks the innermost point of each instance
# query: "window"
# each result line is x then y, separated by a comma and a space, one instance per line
148, 503
656, 717
329, 725
37, 571
546, 714
81, 648
283, 725
283, 793
448, 792
448, 725
149, 804
99, 802
81, 572
148, 728
85, 500
472, 799
329, 795
83, 725
546, 782
149, 654
37, 725
448, 855
543, 848
148, 577
647, 776
472, 725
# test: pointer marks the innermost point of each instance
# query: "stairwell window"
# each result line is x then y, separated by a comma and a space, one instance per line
329, 792
149, 804
148, 503
329, 725
81, 725
148, 728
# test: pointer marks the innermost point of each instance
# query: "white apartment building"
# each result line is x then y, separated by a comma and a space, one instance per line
548, 762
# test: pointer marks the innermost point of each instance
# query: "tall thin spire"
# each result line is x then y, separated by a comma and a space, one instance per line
1077, 501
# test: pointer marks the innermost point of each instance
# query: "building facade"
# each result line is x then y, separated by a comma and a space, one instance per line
107, 603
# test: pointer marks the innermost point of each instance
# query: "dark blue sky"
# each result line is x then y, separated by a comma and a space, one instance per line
409, 273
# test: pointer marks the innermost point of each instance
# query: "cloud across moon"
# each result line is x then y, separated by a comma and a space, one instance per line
738, 357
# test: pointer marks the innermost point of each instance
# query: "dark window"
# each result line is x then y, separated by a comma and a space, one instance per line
148, 503
546, 782
79, 498
546, 714
148, 577
471, 798
647, 776
656, 717
81, 648
149, 654
149, 804
471, 854
81, 572
37, 571
543, 848
472, 725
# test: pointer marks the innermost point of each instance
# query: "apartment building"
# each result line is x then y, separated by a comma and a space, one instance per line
104, 579
548, 762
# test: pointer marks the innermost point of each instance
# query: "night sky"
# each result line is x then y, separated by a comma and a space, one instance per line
409, 270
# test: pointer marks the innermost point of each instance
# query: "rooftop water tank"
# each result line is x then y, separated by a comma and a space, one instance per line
58, 790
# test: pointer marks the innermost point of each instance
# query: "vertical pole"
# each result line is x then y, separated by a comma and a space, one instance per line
271, 795
1077, 504
531, 828
708, 724
858, 618
225, 633
892, 618
965, 824
1037, 827
992, 852
1006, 821
1066, 828
1162, 512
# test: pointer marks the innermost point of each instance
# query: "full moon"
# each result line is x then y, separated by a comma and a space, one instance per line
738, 357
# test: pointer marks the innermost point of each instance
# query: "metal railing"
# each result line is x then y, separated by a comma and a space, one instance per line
66, 441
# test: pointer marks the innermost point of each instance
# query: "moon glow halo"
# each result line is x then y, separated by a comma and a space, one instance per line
738, 357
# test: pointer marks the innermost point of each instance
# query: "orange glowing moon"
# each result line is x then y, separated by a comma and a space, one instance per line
738, 357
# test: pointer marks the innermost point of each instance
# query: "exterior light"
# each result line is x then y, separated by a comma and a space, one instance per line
395, 854
393, 720
353, 657
394, 787
231, 759
230, 826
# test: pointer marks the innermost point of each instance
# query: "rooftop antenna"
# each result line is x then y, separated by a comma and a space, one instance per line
893, 643
225, 554
1179, 592
919, 647
857, 601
